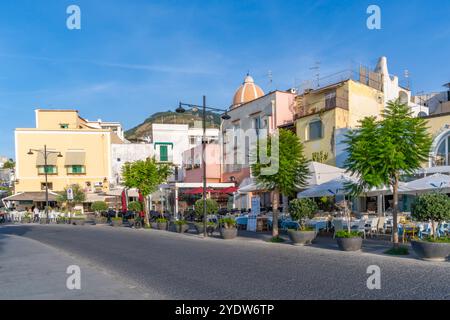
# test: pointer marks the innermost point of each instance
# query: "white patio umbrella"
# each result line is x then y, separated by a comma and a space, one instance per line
436, 182
333, 187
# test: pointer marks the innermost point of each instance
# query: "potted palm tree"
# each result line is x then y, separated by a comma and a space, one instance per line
300, 210
228, 228
348, 240
433, 207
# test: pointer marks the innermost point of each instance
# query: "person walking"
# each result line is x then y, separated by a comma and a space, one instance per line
36, 214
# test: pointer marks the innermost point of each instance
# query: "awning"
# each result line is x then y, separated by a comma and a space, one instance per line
75, 158
437, 182
331, 188
51, 159
32, 196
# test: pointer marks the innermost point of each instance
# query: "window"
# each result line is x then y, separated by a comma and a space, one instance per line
330, 99
76, 169
163, 154
315, 130
49, 184
257, 125
47, 169
442, 153
64, 125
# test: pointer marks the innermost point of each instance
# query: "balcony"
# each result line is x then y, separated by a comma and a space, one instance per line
306, 106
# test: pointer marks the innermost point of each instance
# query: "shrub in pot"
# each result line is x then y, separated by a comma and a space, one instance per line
116, 222
211, 208
162, 223
78, 220
99, 206
181, 226
228, 228
101, 220
349, 240
433, 207
300, 210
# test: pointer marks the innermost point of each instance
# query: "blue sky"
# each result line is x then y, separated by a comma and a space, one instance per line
132, 58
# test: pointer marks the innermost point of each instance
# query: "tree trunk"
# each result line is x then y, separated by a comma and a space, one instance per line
275, 198
146, 211
395, 211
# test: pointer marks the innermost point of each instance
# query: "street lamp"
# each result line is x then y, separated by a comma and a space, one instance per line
45, 153
225, 116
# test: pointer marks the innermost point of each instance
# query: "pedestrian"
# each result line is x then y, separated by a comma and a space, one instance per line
36, 214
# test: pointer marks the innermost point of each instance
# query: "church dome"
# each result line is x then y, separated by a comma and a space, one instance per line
248, 91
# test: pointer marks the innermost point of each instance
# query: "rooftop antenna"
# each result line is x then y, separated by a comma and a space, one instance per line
408, 84
317, 68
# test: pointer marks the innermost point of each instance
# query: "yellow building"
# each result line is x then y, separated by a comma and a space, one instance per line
324, 115
84, 146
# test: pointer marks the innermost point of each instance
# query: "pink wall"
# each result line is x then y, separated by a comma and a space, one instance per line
212, 163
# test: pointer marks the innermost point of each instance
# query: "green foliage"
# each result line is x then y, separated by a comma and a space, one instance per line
301, 209
135, 206
145, 175
10, 164
180, 222
78, 194
276, 239
227, 222
98, 206
431, 206
161, 220
379, 150
293, 166
117, 219
398, 251
346, 234
438, 240
211, 207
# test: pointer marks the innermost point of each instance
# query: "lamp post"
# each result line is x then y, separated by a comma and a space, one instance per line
45, 153
224, 116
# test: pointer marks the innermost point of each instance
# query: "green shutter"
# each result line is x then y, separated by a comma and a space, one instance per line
163, 156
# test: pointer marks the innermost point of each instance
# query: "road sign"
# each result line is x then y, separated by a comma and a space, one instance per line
69, 194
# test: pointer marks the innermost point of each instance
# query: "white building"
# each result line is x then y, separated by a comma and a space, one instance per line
127, 152
392, 90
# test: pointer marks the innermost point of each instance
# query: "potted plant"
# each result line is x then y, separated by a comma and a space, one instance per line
300, 210
211, 208
101, 220
433, 207
228, 228
26, 218
162, 223
181, 226
348, 240
116, 221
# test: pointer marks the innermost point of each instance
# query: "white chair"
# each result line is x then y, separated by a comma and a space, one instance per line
338, 226
380, 225
373, 226
360, 227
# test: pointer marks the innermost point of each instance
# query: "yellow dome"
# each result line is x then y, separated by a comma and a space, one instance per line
248, 91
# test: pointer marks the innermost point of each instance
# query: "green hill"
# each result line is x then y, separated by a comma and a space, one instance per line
170, 117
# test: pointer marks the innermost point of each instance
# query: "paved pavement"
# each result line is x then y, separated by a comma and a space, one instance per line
32, 270
176, 266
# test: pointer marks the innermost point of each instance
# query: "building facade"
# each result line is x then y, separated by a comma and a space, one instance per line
85, 151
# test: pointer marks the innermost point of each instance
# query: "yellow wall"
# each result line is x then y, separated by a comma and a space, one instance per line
51, 119
355, 102
95, 143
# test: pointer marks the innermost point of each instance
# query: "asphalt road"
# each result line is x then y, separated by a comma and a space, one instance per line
174, 266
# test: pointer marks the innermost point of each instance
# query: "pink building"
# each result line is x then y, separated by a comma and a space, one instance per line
251, 110
192, 159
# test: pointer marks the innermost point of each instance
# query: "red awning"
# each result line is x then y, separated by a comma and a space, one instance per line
210, 190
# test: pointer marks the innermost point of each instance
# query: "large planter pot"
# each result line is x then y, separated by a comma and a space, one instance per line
162, 225
200, 227
116, 223
349, 244
43, 220
26, 220
431, 251
230, 233
102, 220
181, 228
154, 225
301, 237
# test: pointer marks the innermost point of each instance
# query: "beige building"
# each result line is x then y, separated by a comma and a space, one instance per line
84, 146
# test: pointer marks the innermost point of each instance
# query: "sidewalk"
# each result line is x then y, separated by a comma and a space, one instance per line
32, 270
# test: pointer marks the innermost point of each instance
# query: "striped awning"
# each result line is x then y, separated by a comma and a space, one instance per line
75, 158
51, 159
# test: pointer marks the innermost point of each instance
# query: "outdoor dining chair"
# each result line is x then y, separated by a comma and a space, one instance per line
360, 227
338, 225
